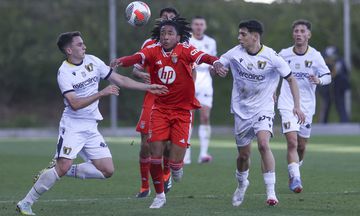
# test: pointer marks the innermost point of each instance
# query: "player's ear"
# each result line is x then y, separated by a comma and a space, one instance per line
178, 38
68, 51
309, 34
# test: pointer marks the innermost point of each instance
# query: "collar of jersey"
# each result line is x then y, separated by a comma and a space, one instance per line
72, 64
165, 53
260, 50
300, 54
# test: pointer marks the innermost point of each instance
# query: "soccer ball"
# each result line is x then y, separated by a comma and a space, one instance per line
137, 13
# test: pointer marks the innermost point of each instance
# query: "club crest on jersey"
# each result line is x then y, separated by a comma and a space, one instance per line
89, 67
261, 64
250, 66
174, 58
308, 64
286, 125
167, 75
67, 150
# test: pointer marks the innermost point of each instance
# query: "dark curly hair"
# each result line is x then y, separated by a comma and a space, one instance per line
180, 24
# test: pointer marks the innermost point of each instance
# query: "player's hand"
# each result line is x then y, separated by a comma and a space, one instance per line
115, 63
220, 69
300, 115
110, 90
314, 79
158, 89
212, 71
144, 76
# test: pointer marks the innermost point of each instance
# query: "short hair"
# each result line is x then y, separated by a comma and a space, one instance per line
180, 24
65, 39
169, 10
198, 17
302, 22
252, 26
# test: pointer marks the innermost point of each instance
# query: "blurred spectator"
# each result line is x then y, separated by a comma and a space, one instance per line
337, 89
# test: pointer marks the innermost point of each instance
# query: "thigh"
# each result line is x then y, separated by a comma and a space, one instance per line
71, 139
177, 153
289, 121
103, 163
205, 96
180, 128
159, 126
244, 131
96, 147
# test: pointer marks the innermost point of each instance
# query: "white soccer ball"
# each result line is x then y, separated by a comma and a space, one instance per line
137, 13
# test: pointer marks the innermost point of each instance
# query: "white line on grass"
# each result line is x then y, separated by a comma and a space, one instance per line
181, 197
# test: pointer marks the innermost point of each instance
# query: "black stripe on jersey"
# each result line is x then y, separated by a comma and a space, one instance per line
324, 75
287, 76
301, 54
59, 146
65, 92
107, 76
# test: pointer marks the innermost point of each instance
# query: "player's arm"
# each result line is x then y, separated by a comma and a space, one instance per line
77, 103
139, 72
296, 97
324, 74
126, 82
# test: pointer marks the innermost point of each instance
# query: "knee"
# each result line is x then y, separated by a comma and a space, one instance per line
301, 148
292, 143
145, 150
263, 146
62, 166
243, 156
108, 172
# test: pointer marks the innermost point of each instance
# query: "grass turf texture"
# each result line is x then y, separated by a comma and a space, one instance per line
330, 178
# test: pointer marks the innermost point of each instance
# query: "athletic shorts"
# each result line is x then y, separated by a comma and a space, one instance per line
289, 123
170, 124
77, 135
144, 120
205, 96
246, 129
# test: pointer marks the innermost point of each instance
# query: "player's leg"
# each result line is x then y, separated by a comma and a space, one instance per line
244, 134
303, 136
160, 127
187, 157
204, 134
166, 167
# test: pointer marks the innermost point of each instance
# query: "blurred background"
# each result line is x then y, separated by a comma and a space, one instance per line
29, 58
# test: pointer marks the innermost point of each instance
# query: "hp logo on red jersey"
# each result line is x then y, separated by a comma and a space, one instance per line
167, 75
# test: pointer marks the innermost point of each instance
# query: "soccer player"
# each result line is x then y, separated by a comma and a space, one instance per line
78, 78
309, 69
171, 115
143, 123
203, 87
256, 70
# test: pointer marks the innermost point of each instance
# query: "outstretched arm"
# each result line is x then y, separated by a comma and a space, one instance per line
126, 61
213, 60
296, 97
126, 82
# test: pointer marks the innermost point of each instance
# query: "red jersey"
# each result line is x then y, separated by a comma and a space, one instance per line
173, 69
148, 98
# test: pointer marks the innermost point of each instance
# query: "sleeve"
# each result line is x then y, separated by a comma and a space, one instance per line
225, 59
64, 83
322, 70
104, 70
194, 55
280, 65
146, 55
146, 43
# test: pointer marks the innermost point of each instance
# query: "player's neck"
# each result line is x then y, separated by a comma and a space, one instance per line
300, 49
74, 61
198, 36
255, 49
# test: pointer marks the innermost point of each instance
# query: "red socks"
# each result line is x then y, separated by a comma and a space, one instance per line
144, 172
157, 174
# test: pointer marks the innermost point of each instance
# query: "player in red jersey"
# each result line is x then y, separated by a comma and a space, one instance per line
170, 62
143, 124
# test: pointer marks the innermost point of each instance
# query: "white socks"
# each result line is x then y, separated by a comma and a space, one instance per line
46, 180
269, 180
204, 136
293, 169
301, 162
85, 170
187, 157
241, 176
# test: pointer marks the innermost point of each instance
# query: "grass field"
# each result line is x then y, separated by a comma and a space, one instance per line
331, 180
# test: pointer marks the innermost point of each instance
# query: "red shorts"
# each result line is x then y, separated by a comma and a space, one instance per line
144, 120
169, 124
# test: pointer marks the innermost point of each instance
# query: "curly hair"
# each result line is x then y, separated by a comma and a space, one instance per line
180, 24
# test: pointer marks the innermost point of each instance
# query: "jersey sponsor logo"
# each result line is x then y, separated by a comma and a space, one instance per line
308, 64
261, 64
67, 150
89, 67
300, 75
167, 75
86, 83
252, 77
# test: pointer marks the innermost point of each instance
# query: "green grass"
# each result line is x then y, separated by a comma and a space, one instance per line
331, 181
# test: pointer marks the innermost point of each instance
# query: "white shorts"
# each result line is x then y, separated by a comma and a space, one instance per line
246, 129
77, 135
204, 89
289, 123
